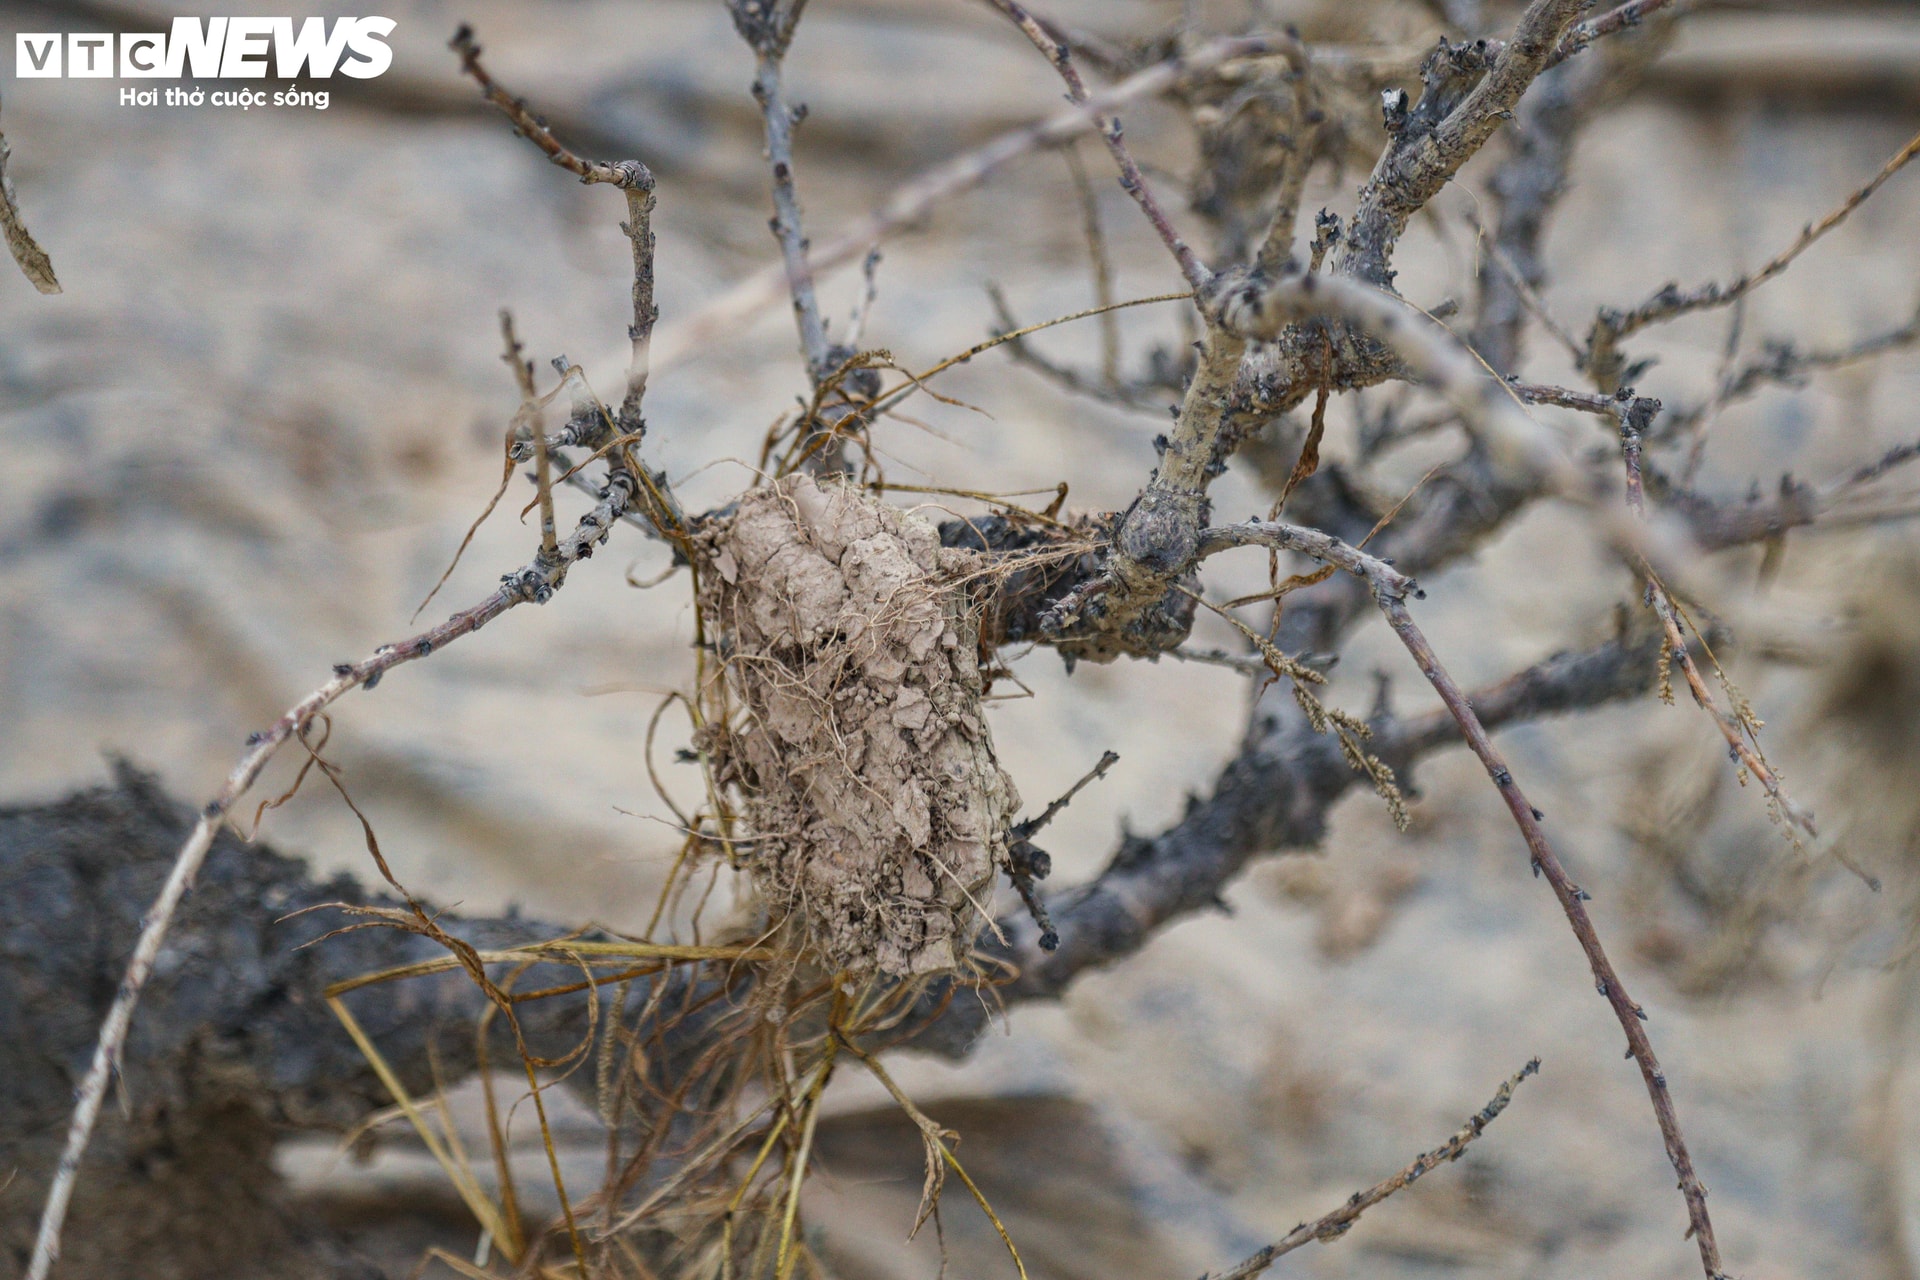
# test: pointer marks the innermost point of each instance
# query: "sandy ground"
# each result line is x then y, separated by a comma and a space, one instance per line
245, 440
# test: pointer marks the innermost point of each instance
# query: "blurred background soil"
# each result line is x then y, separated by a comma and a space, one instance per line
245, 441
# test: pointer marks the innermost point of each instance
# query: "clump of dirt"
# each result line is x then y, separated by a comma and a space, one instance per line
877, 811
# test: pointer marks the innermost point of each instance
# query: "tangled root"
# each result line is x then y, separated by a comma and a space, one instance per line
876, 809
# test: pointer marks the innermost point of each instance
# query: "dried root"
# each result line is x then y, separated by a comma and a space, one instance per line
876, 811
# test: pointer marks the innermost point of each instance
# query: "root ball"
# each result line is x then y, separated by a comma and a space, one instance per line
876, 810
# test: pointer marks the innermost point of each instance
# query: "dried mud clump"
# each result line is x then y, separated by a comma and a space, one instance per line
876, 810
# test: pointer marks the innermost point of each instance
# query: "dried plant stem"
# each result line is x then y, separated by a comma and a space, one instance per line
622, 173
1335, 1224
530, 418
1132, 181
1314, 544
936, 1139
1738, 733
638, 228
810, 1108
1582, 34
1573, 903
914, 199
1390, 590
536, 582
787, 229
1603, 360
1739, 746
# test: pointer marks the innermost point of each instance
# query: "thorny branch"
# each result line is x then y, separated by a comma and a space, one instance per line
1573, 900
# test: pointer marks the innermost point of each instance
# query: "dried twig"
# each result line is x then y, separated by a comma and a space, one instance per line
1603, 359
1573, 901
912, 200
536, 582
1622, 18
1330, 1227
768, 28
1132, 181
1739, 729
1783, 363
633, 178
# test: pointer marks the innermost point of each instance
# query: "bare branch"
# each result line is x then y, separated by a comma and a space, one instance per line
1782, 364
1258, 307
1604, 361
638, 228
1468, 93
769, 30
1332, 1226
912, 200
1158, 537
1621, 668
1623, 18
1573, 901
633, 178
536, 582
1323, 547
624, 173
1131, 179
